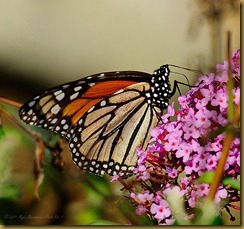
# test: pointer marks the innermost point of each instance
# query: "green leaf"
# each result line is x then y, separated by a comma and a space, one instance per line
2, 134
101, 185
103, 222
208, 178
87, 216
206, 214
1, 128
232, 182
9, 191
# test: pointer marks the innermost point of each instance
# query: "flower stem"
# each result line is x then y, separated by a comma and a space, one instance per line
221, 164
230, 136
10, 102
230, 84
233, 118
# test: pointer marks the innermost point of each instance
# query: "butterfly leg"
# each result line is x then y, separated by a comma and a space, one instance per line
176, 87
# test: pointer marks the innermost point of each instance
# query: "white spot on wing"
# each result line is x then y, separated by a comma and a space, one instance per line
109, 171
148, 95
63, 121
57, 128
56, 109
32, 103
103, 103
65, 86
91, 109
74, 96
34, 118
123, 168
30, 112
25, 117
91, 84
57, 92
60, 96
77, 88
101, 75
66, 126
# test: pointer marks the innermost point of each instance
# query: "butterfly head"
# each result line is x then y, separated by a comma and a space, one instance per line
160, 91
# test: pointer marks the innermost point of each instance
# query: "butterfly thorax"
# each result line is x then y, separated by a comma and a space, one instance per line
160, 91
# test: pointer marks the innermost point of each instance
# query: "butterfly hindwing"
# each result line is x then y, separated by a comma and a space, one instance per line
106, 143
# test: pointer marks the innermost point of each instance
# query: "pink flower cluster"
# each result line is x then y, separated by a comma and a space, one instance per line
184, 149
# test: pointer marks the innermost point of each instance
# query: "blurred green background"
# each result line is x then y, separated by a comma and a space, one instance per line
46, 43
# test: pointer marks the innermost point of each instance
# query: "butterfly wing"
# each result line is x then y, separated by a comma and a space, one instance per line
58, 108
104, 117
106, 138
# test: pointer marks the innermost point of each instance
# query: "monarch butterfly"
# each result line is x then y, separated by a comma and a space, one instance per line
104, 117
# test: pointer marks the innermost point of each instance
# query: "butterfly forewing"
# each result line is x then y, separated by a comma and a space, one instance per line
55, 108
47, 110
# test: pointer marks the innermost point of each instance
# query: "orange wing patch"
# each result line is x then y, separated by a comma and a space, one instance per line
92, 96
84, 109
74, 106
103, 89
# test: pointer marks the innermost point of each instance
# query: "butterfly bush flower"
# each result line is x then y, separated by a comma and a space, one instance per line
180, 151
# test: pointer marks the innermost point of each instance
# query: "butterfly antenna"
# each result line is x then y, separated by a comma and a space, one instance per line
188, 83
188, 69
176, 87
